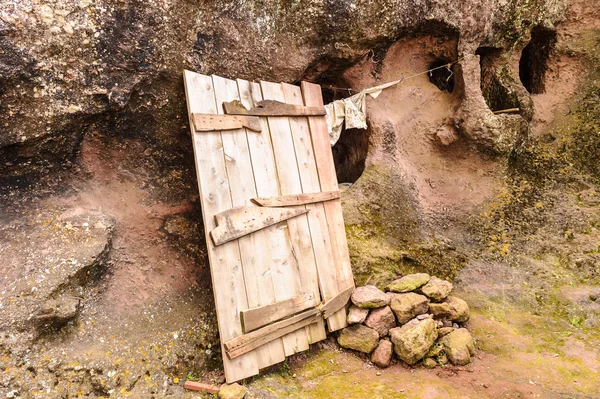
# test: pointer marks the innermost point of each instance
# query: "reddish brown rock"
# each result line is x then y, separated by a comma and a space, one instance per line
382, 355
381, 320
369, 297
356, 315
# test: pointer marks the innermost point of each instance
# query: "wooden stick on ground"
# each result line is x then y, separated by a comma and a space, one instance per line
198, 386
506, 111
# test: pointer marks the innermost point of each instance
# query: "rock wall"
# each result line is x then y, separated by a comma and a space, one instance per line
71, 67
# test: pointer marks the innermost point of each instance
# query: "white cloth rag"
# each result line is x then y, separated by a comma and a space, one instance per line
352, 111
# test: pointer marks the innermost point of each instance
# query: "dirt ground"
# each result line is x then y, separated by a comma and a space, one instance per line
147, 322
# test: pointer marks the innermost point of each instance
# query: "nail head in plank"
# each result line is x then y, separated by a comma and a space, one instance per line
336, 303
252, 340
297, 199
211, 122
271, 108
264, 315
243, 220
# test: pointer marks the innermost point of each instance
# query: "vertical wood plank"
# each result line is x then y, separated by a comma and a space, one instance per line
333, 209
289, 183
324, 276
225, 264
254, 248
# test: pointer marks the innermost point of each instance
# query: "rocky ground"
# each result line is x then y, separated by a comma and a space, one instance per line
105, 287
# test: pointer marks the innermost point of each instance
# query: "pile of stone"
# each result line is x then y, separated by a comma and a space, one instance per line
416, 319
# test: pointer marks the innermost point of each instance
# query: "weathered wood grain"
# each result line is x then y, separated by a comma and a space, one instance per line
213, 184
336, 303
261, 316
210, 122
297, 199
333, 209
252, 340
243, 220
271, 108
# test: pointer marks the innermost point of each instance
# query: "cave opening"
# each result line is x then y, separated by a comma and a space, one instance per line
534, 59
496, 94
351, 150
442, 75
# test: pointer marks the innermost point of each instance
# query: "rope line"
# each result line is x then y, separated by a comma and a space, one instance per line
448, 65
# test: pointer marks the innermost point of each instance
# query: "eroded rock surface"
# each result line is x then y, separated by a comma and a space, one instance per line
459, 346
413, 340
369, 297
409, 305
48, 262
359, 338
408, 283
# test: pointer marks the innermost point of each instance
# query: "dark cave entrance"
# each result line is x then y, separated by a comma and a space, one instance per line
442, 75
496, 94
534, 59
351, 150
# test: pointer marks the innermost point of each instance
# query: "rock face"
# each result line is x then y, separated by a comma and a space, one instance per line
382, 355
358, 338
74, 253
408, 283
459, 346
437, 289
356, 315
407, 306
131, 70
381, 320
369, 297
413, 340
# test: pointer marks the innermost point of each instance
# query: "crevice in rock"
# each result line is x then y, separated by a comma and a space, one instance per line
534, 59
442, 77
495, 92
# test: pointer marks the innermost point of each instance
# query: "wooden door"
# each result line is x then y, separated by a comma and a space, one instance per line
267, 284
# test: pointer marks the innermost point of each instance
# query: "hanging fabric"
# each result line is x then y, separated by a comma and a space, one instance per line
352, 111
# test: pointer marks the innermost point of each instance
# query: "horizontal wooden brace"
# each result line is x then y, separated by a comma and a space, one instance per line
252, 340
261, 316
297, 199
212, 122
272, 108
243, 220
336, 303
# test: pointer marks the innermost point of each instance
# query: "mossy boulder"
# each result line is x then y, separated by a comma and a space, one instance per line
437, 289
359, 338
459, 346
382, 355
232, 391
407, 306
413, 340
409, 283
369, 297
459, 309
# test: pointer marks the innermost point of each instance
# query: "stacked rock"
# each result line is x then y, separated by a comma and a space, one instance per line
416, 319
